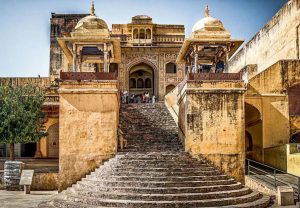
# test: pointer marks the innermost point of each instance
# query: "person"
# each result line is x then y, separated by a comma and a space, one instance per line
143, 98
125, 96
220, 66
153, 99
122, 142
132, 98
138, 99
147, 97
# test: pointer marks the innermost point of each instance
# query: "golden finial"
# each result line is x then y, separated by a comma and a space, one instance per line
93, 9
206, 11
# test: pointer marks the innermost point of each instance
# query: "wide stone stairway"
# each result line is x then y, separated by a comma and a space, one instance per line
154, 171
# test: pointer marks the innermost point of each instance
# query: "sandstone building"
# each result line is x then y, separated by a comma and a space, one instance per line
251, 110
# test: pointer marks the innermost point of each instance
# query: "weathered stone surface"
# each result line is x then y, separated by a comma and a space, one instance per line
88, 127
12, 174
154, 171
211, 119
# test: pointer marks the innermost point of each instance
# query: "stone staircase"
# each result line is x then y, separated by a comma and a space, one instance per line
154, 171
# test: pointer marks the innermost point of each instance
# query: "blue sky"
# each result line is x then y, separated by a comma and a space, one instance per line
24, 24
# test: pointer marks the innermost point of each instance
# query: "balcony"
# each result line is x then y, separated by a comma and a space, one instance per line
142, 41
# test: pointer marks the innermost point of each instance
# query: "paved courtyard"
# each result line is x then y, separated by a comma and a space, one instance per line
17, 199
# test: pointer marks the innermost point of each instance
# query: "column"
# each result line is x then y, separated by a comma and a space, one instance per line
105, 63
38, 153
74, 58
196, 62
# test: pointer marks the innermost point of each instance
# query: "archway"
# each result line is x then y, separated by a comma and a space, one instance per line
141, 79
295, 138
294, 100
169, 88
253, 133
53, 141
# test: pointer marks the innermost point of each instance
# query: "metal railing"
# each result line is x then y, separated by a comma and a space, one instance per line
273, 176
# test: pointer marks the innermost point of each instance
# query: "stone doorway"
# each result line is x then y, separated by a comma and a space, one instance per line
141, 80
53, 141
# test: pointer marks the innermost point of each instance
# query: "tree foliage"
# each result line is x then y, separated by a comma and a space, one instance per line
21, 114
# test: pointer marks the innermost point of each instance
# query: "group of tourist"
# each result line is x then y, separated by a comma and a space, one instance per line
132, 98
217, 67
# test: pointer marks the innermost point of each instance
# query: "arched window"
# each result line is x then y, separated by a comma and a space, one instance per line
148, 34
140, 83
148, 83
171, 68
135, 34
142, 34
132, 83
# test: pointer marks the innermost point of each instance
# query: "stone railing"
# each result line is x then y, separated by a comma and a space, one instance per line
78, 76
215, 76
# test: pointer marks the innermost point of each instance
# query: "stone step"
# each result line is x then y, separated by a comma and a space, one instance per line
162, 197
118, 168
174, 179
158, 190
153, 184
163, 204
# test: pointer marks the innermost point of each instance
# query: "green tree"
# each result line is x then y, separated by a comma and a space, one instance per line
20, 115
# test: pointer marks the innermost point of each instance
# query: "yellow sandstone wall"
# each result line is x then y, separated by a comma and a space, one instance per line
213, 123
279, 39
43, 141
88, 127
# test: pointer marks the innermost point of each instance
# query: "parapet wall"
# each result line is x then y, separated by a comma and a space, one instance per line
278, 39
89, 115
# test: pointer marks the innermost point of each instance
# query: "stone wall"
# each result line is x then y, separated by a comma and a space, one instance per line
41, 82
263, 188
277, 40
45, 181
88, 127
271, 87
212, 123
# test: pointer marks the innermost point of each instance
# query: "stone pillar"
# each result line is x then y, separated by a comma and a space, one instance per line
38, 153
91, 109
74, 58
196, 63
105, 61
211, 123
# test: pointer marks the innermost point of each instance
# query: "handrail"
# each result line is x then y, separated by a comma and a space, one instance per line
273, 174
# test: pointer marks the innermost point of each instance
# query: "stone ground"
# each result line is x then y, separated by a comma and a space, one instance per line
17, 199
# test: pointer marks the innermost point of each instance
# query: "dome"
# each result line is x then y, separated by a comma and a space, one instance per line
91, 21
141, 19
208, 23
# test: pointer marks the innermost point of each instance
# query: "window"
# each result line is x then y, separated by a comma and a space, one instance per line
148, 83
132, 83
171, 68
142, 34
135, 34
140, 83
148, 34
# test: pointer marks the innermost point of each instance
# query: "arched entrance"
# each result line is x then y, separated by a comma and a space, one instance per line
253, 133
141, 79
53, 141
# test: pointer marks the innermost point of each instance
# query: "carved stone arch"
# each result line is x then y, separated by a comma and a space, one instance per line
137, 61
154, 67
